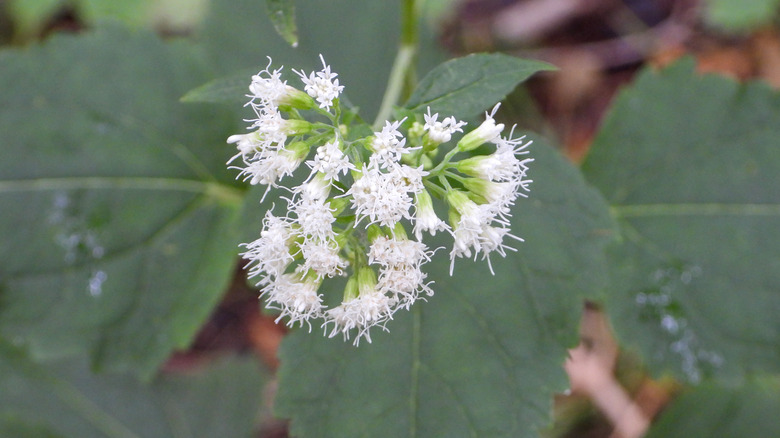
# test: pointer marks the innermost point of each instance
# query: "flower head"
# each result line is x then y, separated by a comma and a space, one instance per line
330, 161
441, 132
388, 145
488, 131
322, 85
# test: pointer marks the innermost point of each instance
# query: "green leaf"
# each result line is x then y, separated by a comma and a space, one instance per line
230, 89
282, 15
130, 12
65, 400
740, 15
29, 15
119, 216
708, 411
689, 164
484, 355
464, 87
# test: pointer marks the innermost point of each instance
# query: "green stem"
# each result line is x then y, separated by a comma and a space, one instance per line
445, 161
403, 64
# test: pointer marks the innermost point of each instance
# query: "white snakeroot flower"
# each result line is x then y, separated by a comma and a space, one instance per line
322, 257
384, 197
296, 298
400, 274
331, 161
322, 85
317, 187
425, 218
502, 165
273, 129
487, 132
471, 219
387, 251
388, 145
441, 132
268, 90
271, 165
404, 283
248, 145
369, 309
410, 178
271, 253
315, 217
364, 306
500, 196
491, 240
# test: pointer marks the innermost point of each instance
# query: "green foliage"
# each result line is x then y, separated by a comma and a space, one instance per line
230, 89
29, 16
689, 165
483, 356
65, 399
119, 216
282, 15
464, 87
711, 410
740, 15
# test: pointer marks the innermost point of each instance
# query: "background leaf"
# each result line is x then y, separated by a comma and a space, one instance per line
230, 89
711, 410
466, 86
66, 400
689, 164
484, 355
282, 15
119, 216
29, 15
740, 15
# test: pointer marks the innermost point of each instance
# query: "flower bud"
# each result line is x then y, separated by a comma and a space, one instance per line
488, 131
366, 279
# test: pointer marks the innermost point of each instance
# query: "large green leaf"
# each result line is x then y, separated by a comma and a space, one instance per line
690, 165
466, 86
715, 411
484, 355
119, 216
65, 400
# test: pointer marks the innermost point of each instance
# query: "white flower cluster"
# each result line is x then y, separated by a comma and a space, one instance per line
350, 215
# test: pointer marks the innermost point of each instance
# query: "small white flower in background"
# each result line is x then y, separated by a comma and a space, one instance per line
385, 182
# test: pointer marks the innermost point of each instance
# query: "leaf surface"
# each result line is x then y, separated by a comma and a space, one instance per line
690, 166
711, 410
64, 399
119, 215
464, 87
